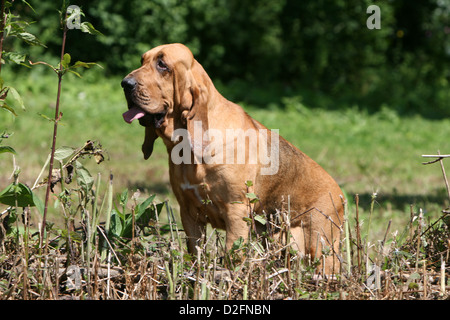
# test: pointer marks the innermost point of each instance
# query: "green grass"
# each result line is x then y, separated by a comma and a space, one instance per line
365, 153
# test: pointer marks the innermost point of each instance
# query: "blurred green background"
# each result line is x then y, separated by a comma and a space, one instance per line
365, 104
321, 46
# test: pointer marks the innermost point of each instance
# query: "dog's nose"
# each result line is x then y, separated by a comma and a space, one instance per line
128, 83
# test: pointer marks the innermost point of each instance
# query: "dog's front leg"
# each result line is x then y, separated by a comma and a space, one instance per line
194, 230
235, 225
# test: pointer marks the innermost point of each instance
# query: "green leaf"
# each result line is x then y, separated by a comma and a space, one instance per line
16, 96
15, 57
17, 192
84, 178
140, 208
63, 153
148, 214
127, 227
116, 224
247, 219
66, 60
74, 72
123, 197
4, 149
79, 64
9, 108
89, 28
29, 38
237, 244
261, 219
38, 203
414, 276
46, 117
252, 197
29, 6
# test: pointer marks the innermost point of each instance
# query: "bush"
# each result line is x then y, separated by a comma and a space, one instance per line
323, 46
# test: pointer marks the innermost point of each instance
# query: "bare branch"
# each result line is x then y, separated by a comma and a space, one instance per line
438, 156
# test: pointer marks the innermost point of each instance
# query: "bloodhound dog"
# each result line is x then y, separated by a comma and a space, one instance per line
215, 148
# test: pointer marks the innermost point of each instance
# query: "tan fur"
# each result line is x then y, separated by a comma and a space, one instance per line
215, 193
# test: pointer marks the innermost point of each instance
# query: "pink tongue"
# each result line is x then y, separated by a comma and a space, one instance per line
133, 114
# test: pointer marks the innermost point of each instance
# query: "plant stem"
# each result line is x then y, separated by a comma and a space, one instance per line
358, 234
347, 238
55, 130
374, 196
2, 28
95, 212
169, 278
445, 178
109, 203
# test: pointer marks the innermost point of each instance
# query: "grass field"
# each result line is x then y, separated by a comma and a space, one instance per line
366, 153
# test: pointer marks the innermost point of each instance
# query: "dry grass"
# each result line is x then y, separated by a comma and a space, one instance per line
154, 264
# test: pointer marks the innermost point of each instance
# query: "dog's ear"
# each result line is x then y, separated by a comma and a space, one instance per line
198, 113
197, 118
149, 140
192, 112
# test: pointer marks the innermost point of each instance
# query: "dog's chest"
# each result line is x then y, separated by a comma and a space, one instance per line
197, 189
196, 192
189, 183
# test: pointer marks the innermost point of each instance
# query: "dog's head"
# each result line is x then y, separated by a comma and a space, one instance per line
165, 93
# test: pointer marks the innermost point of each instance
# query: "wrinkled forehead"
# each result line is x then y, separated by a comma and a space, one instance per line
171, 54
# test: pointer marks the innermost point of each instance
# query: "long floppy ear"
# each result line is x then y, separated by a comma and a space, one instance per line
149, 140
197, 118
192, 107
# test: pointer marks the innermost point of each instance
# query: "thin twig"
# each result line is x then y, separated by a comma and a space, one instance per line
358, 234
436, 156
2, 28
439, 158
109, 244
445, 178
55, 129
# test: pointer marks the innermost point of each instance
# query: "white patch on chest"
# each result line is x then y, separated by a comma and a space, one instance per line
187, 186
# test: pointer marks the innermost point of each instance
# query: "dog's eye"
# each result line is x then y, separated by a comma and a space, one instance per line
162, 66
